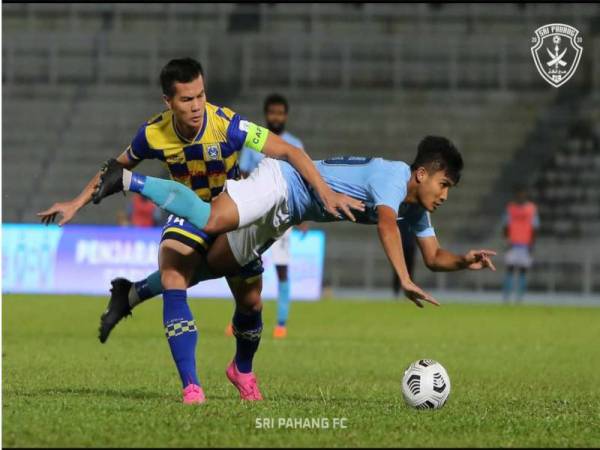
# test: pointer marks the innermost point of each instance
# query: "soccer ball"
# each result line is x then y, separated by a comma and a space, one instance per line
426, 384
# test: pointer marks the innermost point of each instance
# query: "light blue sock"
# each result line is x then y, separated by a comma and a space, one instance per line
149, 287
283, 303
171, 196
507, 285
522, 285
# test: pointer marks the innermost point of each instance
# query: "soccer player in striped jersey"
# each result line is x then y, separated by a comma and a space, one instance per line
200, 143
252, 213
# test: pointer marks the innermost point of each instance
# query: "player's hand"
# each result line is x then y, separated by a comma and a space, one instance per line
416, 294
334, 202
480, 259
66, 209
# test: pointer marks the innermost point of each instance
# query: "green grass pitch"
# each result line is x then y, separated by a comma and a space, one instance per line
521, 376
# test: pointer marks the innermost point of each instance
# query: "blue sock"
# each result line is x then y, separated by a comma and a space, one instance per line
173, 197
522, 285
247, 329
149, 287
181, 333
507, 285
283, 303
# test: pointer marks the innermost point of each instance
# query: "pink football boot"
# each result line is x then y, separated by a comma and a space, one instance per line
244, 382
193, 394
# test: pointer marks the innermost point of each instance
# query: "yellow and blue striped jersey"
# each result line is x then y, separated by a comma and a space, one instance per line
202, 164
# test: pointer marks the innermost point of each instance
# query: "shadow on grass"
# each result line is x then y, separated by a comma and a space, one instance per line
134, 394
330, 400
137, 394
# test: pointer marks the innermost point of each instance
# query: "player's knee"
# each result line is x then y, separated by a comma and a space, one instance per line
212, 226
218, 223
223, 217
251, 303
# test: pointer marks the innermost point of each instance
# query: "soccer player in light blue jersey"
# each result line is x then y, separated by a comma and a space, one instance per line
276, 109
252, 213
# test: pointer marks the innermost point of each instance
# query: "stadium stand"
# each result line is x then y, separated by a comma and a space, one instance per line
361, 78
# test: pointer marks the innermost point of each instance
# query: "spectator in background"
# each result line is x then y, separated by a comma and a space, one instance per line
141, 212
520, 223
408, 248
275, 109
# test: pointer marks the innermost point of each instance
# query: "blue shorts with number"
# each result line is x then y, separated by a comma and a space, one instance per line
181, 230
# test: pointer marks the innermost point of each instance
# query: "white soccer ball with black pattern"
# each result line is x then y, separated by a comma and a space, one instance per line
426, 384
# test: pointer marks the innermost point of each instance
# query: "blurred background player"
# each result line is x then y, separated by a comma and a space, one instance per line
520, 223
276, 110
143, 213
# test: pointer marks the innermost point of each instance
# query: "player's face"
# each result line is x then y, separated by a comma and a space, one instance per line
433, 188
188, 103
276, 117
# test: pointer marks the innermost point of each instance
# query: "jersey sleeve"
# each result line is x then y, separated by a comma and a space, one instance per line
139, 148
241, 132
536, 219
237, 131
422, 226
386, 188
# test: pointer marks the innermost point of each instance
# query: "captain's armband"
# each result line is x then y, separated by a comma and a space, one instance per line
256, 136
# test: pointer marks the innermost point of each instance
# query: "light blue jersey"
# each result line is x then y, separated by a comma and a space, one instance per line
374, 181
249, 158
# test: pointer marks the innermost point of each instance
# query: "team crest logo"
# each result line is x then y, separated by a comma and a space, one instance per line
213, 152
556, 52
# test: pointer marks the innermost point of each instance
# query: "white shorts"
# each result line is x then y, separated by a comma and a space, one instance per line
281, 249
262, 205
518, 256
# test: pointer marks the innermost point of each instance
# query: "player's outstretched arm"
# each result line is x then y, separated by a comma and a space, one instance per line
69, 208
440, 260
390, 238
334, 202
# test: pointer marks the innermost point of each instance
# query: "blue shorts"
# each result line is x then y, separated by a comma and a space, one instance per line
181, 230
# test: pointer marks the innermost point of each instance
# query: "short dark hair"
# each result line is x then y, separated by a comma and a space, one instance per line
275, 99
437, 153
182, 70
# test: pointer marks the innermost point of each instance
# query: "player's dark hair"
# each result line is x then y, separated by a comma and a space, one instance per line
519, 187
275, 99
437, 153
182, 70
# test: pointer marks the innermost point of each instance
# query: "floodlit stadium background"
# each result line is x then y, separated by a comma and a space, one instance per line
362, 79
